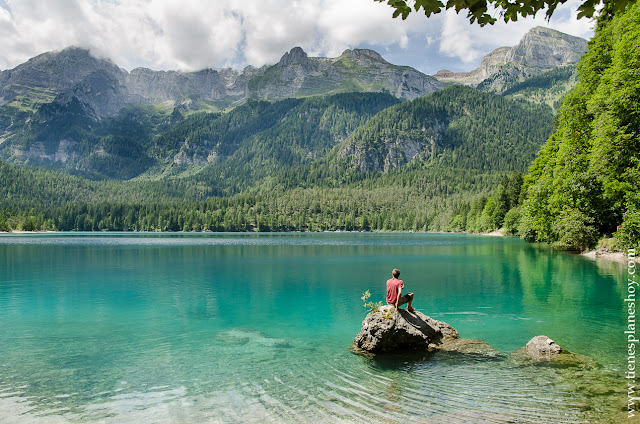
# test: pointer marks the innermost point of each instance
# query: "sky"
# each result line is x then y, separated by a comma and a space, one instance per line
195, 34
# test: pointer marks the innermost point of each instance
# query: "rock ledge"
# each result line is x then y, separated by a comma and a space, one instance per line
394, 331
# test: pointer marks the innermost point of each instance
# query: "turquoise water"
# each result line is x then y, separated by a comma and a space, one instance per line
255, 327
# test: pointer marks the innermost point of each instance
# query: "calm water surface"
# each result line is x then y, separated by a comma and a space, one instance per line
229, 328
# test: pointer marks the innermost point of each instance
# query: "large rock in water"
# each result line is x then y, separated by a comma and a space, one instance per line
543, 347
541, 350
392, 331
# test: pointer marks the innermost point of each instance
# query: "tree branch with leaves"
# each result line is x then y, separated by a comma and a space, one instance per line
480, 11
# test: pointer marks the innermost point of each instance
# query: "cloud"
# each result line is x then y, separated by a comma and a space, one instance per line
349, 24
193, 34
456, 40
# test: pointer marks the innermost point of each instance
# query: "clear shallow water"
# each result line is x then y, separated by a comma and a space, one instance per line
255, 327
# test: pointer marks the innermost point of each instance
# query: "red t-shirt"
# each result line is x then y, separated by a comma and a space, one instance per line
392, 290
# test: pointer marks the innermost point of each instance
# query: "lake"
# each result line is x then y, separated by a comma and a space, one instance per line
226, 328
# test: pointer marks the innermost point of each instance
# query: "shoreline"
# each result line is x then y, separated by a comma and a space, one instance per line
33, 232
494, 233
594, 254
607, 255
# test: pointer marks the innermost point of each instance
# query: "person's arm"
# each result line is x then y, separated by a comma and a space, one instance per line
398, 298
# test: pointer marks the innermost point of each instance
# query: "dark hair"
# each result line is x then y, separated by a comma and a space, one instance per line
396, 273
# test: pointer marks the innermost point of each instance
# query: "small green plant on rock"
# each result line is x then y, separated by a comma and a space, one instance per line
374, 307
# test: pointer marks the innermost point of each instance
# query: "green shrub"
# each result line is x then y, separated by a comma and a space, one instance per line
611, 244
526, 227
575, 230
629, 233
512, 221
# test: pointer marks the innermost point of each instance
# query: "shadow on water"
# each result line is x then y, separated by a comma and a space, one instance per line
417, 360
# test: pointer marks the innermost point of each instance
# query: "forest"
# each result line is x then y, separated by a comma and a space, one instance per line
281, 168
584, 184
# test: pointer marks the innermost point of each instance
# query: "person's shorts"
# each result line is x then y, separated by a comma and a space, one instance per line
403, 299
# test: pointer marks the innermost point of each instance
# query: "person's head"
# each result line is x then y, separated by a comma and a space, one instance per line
396, 273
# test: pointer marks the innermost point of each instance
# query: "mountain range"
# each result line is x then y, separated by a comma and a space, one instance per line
349, 143
355, 123
104, 88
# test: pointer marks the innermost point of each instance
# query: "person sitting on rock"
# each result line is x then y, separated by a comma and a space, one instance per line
394, 292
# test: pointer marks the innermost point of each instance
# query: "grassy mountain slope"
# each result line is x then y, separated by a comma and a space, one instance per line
548, 88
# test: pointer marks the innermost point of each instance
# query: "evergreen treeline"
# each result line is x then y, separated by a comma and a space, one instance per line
315, 209
419, 199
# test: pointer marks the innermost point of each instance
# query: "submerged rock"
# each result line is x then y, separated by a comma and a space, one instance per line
393, 331
543, 350
246, 337
470, 347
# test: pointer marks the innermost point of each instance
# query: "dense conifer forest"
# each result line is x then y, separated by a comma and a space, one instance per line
281, 167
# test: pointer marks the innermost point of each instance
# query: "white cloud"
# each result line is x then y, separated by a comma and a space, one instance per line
457, 39
349, 24
192, 34
272, 27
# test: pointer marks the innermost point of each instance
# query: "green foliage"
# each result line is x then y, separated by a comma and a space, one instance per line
484, 214
584, 182
458, 127
512, 221
527, 227
509, 11
574, 230
373, 307
628, 236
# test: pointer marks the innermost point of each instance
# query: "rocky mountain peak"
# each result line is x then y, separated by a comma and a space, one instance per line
100, 92
55, 71
362, 53
72, 63
547, 48
539, 50
296, 56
